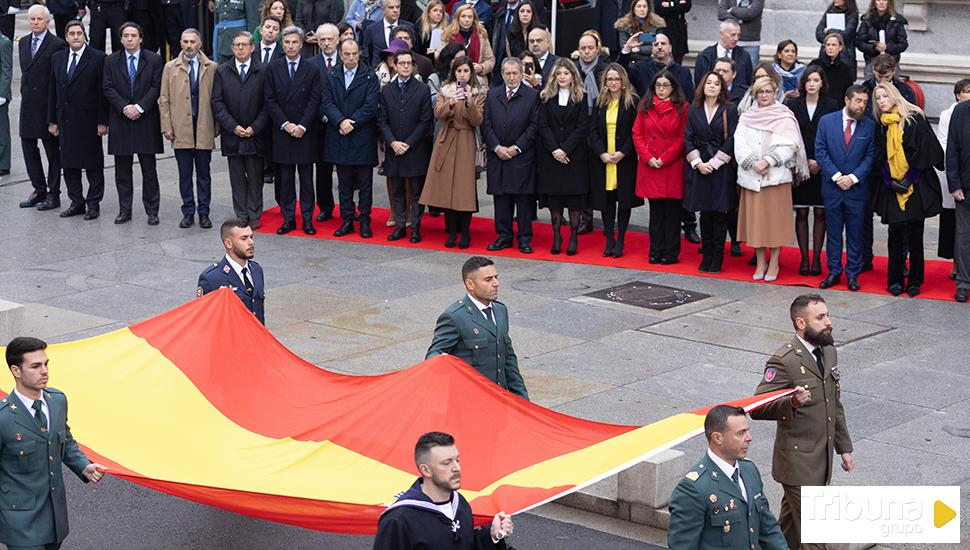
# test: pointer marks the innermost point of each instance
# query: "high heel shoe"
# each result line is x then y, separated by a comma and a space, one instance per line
816, 267
618, 246
556, 240
450, 241
610, 242
758, 276
465, 241
803, 268
573, 245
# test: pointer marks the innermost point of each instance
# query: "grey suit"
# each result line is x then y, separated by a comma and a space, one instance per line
33, 505
463, 331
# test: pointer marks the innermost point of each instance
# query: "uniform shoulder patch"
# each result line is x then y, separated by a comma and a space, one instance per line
770, 374
692, 475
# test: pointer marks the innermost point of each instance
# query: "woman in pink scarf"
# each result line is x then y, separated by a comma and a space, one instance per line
771, 157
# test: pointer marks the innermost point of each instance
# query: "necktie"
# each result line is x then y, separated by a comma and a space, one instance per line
508, 18
848, 132
247, 281
488, 314
40, 418
242, 72
266, 55
70, 70
511, 93
736, 476
329, 65
131, 71
292, 69
403, 85
34, 44
348, 78
817, 352
192, 79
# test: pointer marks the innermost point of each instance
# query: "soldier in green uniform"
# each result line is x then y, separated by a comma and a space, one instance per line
476, 328
720, 502
34, 441
811, 424
231, 17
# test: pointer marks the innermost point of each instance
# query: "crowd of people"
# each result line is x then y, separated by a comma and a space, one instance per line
434, 95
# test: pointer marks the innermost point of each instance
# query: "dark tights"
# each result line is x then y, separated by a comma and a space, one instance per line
611, 213
818, 233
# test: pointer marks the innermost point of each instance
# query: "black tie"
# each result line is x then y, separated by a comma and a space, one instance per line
266, 55
292, 69
403, 86
247, 281
40, 417
736, 476
488, 314
817, 352
70, 70
242, 72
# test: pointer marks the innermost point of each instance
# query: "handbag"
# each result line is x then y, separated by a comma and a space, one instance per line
480, 156
901, 187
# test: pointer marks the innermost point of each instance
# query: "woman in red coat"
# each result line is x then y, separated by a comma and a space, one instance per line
658, 135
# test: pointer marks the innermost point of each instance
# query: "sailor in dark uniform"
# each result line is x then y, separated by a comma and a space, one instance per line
237, 270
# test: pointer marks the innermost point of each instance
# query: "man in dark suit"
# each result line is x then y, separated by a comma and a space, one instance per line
293, 99
8, 11
328, 37
237, 270
958, 182
36, 441
661, 57
36, 50
238, 98
376, 37
405, 124
423, 66
726, 46
844, 150
539, 44
728, 69
268, 51
476, 328
78, 74
350, 99
132, 84
509, 129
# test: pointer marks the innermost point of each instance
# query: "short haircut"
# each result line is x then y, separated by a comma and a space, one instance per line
717, 418
384, 3
230, 224
404, 29
884, 63
328, 27
734, 65
245, 34
22, 345
344, 42
35, 7
834, 34
133, 25
728, 23
473, 264
196, 32
800, 303
855, 90
293, 29
512, 61
403, 52
75, 23
427, 442
961, 85
272, 18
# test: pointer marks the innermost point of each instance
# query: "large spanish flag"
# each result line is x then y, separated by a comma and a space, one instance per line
203, 403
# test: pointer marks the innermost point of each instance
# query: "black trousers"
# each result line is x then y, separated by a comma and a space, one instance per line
72, 180
105, 17
399, 200
173, 25
60, 21
361, 179
286, 176
714, 227
7, 23
324, 177
51, 183
150, 40
523, 207
902, 235
688, 219
125, 182
246, 182
664, 228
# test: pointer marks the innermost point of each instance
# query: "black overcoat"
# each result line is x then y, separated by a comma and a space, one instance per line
509, 123
144, 135
359, 103
295, 100
408, 119
241, 103
77, 105
35, 80
717, 191
626, 169
565, 128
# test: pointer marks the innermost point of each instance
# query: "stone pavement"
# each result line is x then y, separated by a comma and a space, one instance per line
366, 309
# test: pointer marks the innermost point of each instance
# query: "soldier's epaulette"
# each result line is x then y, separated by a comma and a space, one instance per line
210, 268
4, 402
697, 472
54, 391
457, 306
785, 350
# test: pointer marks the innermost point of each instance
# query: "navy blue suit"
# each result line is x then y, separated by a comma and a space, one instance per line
373, 41
844, 208
222, 274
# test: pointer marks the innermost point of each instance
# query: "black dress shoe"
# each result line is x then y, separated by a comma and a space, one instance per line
345, 229
464, 242
692, 236
804, 268
525, 248
854, 284
961, 295
365, 231
187, 221
254, 224
584, 228
74, 210
33, 200
286, 228
830, 281
50, 203
736, 250
816, 269
204, 221
895, 290
399, 232
655, 259
308, 229
415, 234
153, 219
92, 214
324, 216
668, 260
499, 244
618, 248
268, 178
913, 290
866, 266
953, 276
123, 217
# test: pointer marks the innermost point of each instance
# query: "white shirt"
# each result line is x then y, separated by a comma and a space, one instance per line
332, 58
238, 268
542, 60
136, 55
71, 54
387, 29
563, 97
247, 63
192, 65
729, 471
837, 175
29, 403
262, 50
722, 51
481, 307
810, 347
40, 38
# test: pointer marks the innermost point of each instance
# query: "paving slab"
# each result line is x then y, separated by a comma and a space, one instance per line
552, 390
138, 268
393, 356
927, 432
626, 406
580, 321
297, 302
125, 302
899, 379
33, 284
46, 322
935, 317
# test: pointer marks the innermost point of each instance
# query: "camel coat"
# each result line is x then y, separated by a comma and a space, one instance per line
451, 180
175, 104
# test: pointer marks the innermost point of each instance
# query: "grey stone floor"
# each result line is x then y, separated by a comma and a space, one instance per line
366, 309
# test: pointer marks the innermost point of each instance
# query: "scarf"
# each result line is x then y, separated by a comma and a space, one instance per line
777, 119
589, 81
895, 156
469, 39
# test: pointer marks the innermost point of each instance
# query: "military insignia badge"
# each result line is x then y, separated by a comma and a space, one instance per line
199, 292
713, 498
13, 406
731, 504
727, 526
770, 374
226, 268
717, 510
692, 476
836, 373
714, 475
19, 436
475, 330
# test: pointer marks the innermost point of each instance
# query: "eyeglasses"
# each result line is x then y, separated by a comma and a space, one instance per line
403, 63
766, 91
663, 85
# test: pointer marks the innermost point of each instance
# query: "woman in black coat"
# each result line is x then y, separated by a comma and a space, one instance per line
850, 10
809, 107
674, 13
613, 166
563, 131
881, 16
907, 187
710, 186
839, 75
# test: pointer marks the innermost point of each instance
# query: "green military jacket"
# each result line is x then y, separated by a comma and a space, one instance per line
463, 331
232, 17
707, 511
33, 506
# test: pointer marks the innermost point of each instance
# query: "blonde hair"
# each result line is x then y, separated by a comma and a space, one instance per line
906, 110
576, 88
425, 25
454, 28
626, 93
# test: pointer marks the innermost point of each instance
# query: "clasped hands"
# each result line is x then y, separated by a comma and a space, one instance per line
612, 158
247, 132
294, 130
561, 156
506, 153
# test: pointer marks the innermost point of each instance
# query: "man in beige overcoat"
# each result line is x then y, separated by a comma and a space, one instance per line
185, 105
811, 423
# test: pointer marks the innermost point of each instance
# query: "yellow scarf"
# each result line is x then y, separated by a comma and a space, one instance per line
895, 155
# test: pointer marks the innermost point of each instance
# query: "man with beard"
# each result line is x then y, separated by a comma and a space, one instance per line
811, 423
237, 270
432, 513
642, 71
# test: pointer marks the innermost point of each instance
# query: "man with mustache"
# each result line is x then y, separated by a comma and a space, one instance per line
811, 423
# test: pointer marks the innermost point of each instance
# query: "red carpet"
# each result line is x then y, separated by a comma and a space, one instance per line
937, 286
